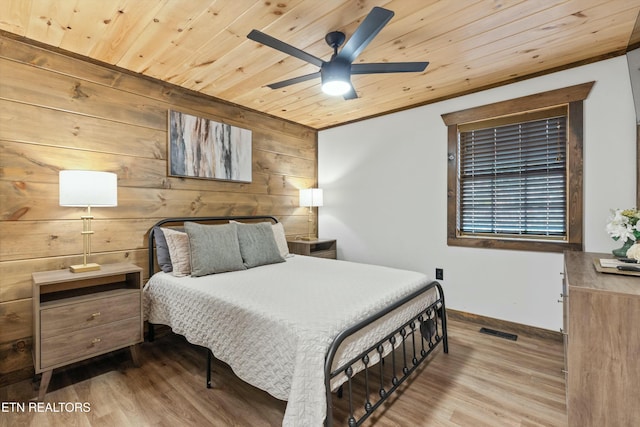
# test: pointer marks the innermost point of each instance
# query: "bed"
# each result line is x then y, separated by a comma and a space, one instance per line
299, 328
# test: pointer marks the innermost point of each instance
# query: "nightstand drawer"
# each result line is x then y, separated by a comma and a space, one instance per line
67, 318
90, 341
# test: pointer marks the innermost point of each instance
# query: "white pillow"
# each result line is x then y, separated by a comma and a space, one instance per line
178, 243
281, 239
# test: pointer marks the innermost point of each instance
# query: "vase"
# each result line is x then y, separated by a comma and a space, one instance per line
622, 252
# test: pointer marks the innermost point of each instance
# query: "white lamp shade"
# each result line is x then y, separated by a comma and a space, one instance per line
88, 188
311, 197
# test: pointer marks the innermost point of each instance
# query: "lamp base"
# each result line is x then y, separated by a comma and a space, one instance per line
81, 268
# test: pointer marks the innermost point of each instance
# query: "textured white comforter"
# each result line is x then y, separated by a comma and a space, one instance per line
273, 324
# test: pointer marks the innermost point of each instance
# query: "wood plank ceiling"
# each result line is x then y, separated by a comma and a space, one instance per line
202, 45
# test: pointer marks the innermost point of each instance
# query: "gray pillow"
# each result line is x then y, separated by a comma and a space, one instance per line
162, 251
258, 245
214, 248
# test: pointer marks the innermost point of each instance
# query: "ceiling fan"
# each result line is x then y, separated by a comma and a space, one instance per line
335, 74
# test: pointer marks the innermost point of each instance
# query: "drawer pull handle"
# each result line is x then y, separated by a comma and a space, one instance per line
95, 341
94, 315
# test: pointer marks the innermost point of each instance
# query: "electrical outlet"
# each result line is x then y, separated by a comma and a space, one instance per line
439, 274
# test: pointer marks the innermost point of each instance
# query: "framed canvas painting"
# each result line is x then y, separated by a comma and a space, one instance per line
206, 149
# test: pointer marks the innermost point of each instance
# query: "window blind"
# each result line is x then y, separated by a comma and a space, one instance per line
512, 179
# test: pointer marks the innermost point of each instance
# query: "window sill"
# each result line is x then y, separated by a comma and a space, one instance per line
515, 245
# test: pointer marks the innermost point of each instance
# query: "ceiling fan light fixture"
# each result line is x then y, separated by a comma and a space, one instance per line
336, 77
336, 87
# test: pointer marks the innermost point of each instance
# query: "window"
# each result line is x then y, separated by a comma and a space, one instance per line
515, 173
512, 177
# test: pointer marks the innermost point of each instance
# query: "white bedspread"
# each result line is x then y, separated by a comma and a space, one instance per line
274, 324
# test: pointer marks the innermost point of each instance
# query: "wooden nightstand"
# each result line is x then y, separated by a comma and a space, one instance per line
81, 315
321, 248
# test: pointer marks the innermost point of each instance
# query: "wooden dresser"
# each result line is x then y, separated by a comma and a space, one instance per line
80, 315
602, 347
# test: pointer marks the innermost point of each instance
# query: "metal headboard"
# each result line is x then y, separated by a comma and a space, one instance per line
178, 220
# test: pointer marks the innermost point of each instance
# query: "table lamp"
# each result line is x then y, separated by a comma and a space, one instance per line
81, 188
310, 197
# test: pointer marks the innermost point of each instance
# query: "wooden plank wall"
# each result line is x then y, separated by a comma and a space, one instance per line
60, 112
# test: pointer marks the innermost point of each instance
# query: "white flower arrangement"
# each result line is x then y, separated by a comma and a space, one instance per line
634, 252
623, 224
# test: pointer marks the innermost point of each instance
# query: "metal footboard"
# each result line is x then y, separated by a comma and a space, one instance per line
413, 341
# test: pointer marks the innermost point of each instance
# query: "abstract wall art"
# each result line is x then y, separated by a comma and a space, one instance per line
203, 148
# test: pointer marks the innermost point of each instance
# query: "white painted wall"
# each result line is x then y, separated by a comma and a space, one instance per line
384, 182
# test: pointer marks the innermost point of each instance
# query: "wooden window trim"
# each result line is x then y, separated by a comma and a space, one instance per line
572, 97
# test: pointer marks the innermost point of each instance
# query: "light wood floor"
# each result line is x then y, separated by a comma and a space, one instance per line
483, 381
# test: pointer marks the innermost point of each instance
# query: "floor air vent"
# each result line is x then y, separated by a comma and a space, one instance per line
500, 334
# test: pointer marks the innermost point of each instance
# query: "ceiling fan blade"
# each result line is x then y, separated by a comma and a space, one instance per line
267, 40
368, 29
351, 94
389, 67
294, 80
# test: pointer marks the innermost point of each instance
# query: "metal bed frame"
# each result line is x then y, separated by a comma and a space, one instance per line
411, 343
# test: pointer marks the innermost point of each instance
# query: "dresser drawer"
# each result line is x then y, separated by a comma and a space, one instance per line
67, 318
81, 344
